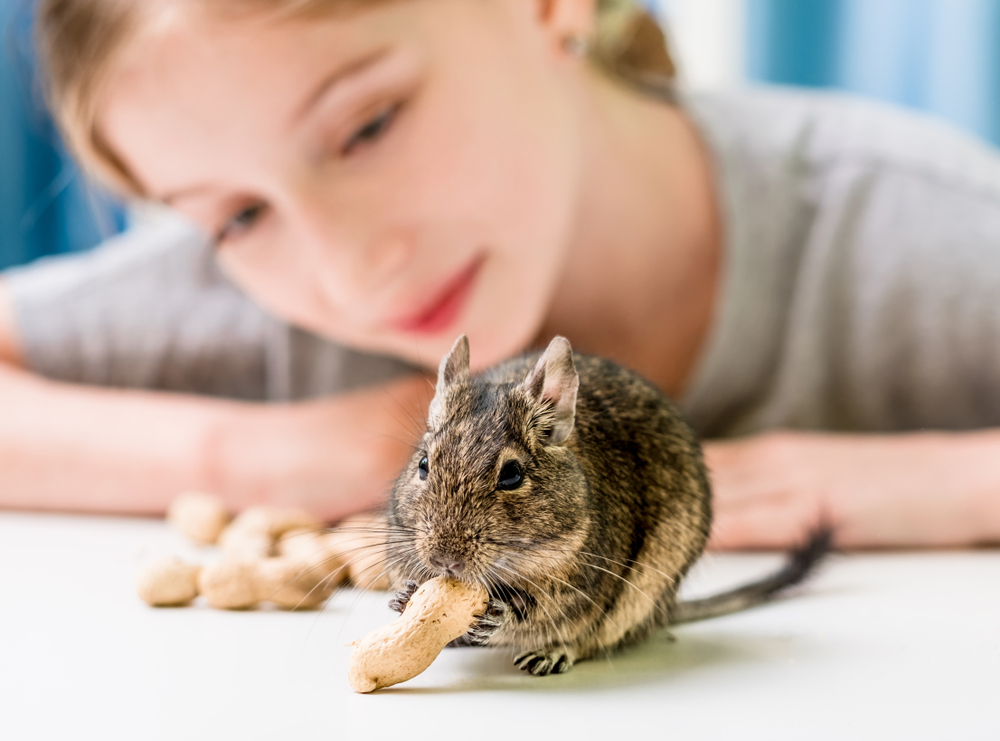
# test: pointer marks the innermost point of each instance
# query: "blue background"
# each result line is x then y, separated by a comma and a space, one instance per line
936, 55
45, 206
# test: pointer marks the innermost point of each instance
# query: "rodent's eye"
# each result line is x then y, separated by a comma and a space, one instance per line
423, 468
510, 476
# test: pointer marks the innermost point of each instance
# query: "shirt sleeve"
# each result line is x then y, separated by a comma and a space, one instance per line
862, 270
151, 309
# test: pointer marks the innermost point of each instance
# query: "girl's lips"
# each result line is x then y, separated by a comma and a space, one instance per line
441, 313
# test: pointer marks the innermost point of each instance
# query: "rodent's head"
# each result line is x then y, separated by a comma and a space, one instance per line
493, 493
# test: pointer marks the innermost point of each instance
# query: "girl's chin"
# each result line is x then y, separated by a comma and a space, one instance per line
487, 348
490, 348
490, 341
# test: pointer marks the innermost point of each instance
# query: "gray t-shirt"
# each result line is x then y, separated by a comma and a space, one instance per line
151, 309
862, 283
860, 291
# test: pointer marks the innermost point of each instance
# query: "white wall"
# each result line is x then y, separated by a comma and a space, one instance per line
707, 38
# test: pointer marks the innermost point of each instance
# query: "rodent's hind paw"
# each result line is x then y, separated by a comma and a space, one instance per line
545, 661
488, 624
401, 599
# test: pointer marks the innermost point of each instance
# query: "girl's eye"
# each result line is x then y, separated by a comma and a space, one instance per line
423, 468
511, 476
372, 130
241, 223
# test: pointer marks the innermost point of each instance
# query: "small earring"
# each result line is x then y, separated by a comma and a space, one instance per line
576, 45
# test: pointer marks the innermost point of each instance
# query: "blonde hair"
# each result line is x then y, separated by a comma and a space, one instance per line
79, 40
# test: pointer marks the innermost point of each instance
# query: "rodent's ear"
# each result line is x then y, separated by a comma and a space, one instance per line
454, 368
554, 381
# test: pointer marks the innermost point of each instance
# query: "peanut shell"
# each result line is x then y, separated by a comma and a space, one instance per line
201, 517
440, 611
168, 582
231, 585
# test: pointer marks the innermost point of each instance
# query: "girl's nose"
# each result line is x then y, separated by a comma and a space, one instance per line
367, 266
360, 264
387, 256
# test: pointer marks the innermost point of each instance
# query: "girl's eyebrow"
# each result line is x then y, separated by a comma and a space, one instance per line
168, 199
329, 82
335, 78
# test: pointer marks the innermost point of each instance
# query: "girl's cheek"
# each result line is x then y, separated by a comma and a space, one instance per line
271, 287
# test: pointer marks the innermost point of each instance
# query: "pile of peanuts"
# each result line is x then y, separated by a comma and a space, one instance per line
269, 554
288, 557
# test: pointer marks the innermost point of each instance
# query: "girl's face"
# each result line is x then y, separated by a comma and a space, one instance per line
389, 178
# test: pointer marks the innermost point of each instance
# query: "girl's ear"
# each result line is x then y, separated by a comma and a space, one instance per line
454, 369
567, 19
554, 382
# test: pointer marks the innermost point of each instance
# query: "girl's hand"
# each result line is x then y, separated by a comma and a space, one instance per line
9, 351
333, 457
902, 490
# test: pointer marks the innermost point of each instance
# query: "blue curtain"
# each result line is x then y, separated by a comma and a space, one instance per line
936, 55
46, 207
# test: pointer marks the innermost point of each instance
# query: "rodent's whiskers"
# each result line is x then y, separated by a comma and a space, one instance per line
416, 426
391, 537
313, 534
356, 549
308, 594
405, 553
408, 443
540, 603
628, 566
333, 574
392, 529
636, 588
582, 594
654, 603
388, 563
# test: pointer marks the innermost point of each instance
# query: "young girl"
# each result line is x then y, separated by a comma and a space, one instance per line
812, 277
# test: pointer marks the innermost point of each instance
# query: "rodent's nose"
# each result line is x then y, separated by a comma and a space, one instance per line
448, 563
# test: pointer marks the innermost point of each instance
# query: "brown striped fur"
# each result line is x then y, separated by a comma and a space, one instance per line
588, 553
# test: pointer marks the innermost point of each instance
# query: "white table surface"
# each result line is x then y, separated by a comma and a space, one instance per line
884, 646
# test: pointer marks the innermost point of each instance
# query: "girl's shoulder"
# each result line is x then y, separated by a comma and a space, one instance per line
861, 269
768, 128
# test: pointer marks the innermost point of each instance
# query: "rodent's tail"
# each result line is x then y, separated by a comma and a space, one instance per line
801, 563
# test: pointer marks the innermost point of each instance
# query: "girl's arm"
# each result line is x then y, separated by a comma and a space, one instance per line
924, 489
10, 353
66, 447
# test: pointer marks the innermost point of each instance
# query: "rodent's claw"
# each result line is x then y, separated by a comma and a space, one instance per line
488, 624
545, 661
402, 598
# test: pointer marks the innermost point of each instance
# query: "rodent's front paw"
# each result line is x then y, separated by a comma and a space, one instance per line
488, 624
402, 598
545, 661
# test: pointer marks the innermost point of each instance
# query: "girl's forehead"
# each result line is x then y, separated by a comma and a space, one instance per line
189, 39
190, 74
